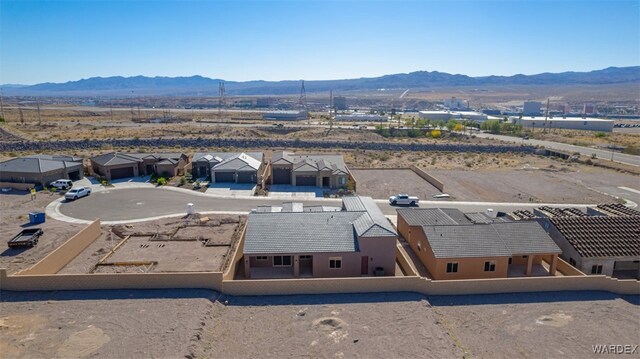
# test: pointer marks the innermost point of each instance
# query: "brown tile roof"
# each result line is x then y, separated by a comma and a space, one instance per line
562, 212
618, 209
601, 236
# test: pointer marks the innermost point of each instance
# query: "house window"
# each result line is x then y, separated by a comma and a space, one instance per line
342, 181
262, 258
335, 263
596, 269
489, 266
572, 262
305, 257
452, 267
282, 261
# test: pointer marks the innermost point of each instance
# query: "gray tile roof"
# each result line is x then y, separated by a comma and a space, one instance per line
526, 237
57, 157
210, 156
312, 162
489, 240
455, 241
239, 162
296, 230
36, 165
427, 216
115, 158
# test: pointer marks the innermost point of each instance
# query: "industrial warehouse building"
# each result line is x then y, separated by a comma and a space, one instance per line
40, 170
285, 115
454, 115
361, 117
309, 170
567, 123
232, 167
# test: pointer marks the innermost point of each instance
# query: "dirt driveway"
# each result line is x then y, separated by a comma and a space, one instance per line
382, 183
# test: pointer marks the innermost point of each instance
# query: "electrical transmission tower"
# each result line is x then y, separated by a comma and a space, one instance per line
39, 116
1, 106
220, 99
302, 103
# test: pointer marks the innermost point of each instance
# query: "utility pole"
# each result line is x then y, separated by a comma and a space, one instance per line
111, 111
546, 116
1, 105
302, 103
220, 99
39, 117
331, 111
21, 114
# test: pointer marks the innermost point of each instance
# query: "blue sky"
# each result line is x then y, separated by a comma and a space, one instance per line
56, 41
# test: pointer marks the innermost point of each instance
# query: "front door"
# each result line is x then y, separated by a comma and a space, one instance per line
365, 265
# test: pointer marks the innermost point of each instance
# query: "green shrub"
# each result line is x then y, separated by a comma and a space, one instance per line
182, 182
600, 134
161, 181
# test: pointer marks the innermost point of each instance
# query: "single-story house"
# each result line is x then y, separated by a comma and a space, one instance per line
116, 165
236, 167
357, 240
40, 169
455, 245
608, 245
318, 170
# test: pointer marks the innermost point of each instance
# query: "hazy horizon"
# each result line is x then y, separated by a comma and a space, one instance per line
61, 41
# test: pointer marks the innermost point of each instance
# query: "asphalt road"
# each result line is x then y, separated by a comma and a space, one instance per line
131, 204
584, 151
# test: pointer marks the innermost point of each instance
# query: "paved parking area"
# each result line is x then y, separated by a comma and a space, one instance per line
281, 191
231, 189
382, 183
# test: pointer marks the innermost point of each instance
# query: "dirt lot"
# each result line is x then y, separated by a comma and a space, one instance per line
539, 325
166, 243
560, 184
383, 183
101, 324
14, 214
199, 324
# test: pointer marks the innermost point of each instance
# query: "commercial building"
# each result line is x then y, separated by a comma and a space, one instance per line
569, 123
455, 245
40, 170
356, 241
285, 115
453, 115
454, 103
320, 170
235, 167
608, 245
117, 165
361, 117
531, 108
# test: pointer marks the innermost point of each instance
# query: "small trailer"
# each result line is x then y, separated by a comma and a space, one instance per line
26, 238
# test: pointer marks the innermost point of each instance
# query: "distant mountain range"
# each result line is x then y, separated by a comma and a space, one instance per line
203, 86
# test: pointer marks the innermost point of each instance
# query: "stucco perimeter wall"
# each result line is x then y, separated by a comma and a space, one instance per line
428, 287
18, 186
204, 280
56, 260
429, 178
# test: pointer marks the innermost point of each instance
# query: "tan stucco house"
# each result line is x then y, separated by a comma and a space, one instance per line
319, 170
116, 165
233, 167
455, 245
321, 242
40, 169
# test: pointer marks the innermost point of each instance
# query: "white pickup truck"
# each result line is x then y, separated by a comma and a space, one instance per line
404, 198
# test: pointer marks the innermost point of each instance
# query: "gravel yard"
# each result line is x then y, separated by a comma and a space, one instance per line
382, 183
